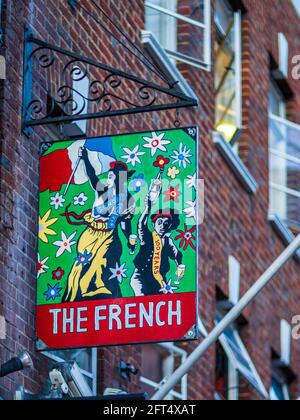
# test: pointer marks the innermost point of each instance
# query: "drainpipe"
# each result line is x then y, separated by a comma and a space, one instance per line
236, 311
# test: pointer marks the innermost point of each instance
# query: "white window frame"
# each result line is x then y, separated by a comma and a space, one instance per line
285, 358
281, 100
91, 375
274, 187
234, 279
285, 392
286, 342
296, 4
233, 381
236, 365
283, 47
164, 62
281, 154
206, 26
173, 350
238, 68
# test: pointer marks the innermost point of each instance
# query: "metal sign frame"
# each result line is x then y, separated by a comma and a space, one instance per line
103, 91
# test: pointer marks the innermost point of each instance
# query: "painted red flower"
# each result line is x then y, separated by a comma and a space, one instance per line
161, 162
58, 274
173, 194
186, 237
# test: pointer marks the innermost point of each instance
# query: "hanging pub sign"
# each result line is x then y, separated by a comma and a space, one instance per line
117, 253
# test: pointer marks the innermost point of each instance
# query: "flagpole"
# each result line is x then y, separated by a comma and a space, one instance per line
72, 175
261, 283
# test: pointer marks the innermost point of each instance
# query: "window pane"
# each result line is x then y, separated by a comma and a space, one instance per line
152, 363
163, 26
296, 4
240, 359
284, 140
157, 364
277, 104
223, 16
183, 40
82, 357
221, 373
224, 57
225, 84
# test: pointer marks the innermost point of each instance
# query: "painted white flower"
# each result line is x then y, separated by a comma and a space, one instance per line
57, 201
192, 181
80, 200
190, 211
42, 267
168, 288
133, 156
156, 143
182, 156
65, 244
119, 272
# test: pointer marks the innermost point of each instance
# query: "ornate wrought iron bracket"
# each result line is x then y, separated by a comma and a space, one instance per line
51, 94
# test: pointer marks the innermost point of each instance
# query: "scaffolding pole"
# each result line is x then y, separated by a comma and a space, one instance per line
236, 311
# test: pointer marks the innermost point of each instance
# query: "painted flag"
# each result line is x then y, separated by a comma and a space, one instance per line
56, 167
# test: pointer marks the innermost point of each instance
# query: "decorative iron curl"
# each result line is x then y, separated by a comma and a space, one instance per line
76, 69
46, 59
147, 94
107, 104
35, 109
65, 98
97, 91
113, 80
113, 91
111, 84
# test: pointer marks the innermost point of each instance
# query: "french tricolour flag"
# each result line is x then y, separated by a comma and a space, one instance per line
56, 167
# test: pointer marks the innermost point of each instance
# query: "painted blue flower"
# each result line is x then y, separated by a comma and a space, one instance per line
53, 292
83, 259
138, 182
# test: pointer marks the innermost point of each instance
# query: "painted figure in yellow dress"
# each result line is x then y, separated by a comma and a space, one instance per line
97, 270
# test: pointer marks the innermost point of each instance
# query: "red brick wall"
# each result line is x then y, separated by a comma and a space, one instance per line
235, 222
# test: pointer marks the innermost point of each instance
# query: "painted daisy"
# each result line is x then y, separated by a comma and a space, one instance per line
57, 201
44, 224
65, 244
192, 181
172, 194
173, 172
182, 156
168, 288
190, 211
133, 156
42, 267
80, 200
156, 143
119, 272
